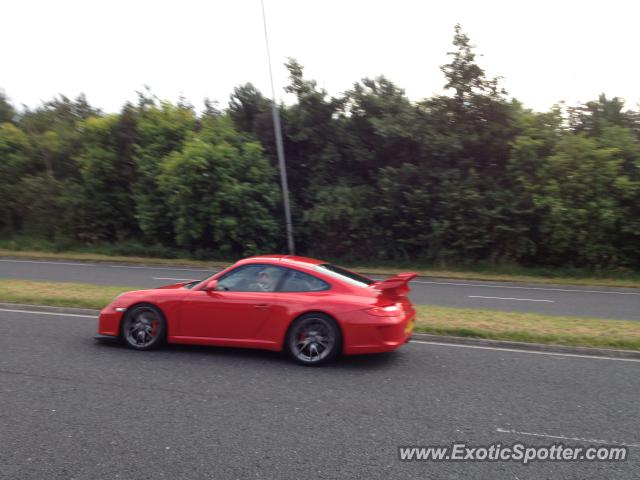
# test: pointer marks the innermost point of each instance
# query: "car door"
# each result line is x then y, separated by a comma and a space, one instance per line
238, 310
298, 292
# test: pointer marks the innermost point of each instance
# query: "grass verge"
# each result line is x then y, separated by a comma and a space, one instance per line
522, 327
59, 294
460, 274
607, 279
528, 327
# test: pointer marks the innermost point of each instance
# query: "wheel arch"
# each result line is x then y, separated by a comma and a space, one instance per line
148, 304
311, 311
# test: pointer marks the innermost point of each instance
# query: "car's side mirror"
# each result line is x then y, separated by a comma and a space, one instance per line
211, 286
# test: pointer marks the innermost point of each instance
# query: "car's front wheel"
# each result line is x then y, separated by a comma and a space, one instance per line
313, 339
144, 327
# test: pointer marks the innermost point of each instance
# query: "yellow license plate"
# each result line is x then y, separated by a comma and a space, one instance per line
409, 327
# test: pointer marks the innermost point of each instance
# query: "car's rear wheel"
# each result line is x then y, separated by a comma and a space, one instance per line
144, 327
313, 339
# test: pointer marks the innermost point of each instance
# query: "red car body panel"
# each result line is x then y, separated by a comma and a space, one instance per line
261, 319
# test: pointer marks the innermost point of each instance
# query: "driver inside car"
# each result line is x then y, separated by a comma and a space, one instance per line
266, 281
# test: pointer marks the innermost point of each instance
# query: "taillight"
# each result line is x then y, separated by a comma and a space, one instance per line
386, 311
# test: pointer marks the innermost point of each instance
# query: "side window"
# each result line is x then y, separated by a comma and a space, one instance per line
301, 282
251, 278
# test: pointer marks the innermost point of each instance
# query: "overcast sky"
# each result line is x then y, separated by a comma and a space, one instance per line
547, 51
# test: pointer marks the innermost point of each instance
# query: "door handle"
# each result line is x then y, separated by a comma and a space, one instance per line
262, 306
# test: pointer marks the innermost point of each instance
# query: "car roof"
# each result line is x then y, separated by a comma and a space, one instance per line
284, 260
294, 261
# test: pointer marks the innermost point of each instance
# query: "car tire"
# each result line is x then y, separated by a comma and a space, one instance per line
313, 339
144, 327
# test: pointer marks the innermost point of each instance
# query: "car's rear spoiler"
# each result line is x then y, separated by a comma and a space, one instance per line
398, 284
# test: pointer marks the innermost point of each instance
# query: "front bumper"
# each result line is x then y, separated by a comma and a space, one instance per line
109, 322
106, 338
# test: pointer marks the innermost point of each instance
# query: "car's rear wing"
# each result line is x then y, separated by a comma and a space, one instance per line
396, 285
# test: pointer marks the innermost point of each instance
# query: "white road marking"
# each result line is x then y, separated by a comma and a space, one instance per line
48, 313
83, 264
516, 350
563, 437
507, 298
169, 267
178, 279
546, 289
53, 263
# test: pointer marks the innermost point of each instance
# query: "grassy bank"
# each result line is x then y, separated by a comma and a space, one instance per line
59, 294
494, 273
523, 327
514, 274
529, 327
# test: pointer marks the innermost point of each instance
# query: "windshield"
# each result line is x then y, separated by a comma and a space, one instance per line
345, 275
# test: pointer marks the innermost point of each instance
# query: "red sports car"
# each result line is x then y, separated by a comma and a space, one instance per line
308, 308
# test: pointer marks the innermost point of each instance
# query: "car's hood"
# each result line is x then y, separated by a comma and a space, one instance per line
174, 285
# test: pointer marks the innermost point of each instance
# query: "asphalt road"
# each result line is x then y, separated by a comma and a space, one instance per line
72, 408
600, 302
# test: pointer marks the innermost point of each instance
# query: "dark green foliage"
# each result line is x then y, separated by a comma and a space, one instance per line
14, 162
468, 177
162, 129
105, 212
7, 112
221, 192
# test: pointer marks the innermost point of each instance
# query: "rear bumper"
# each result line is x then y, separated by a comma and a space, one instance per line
367, 334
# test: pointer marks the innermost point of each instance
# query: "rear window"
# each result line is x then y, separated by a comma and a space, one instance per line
344, 275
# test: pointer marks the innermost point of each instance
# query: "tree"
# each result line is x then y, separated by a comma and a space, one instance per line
311, 137
14, 160
53, 133
161, 130
7, 112
582, 186
107, 209
463, 74
404, 213
51, 208
339, 223
473, 131
222, 192
381, 128
538, 136
592, 117
251, 113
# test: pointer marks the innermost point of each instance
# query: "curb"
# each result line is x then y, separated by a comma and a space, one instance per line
47, 308
425, 337
536, 347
